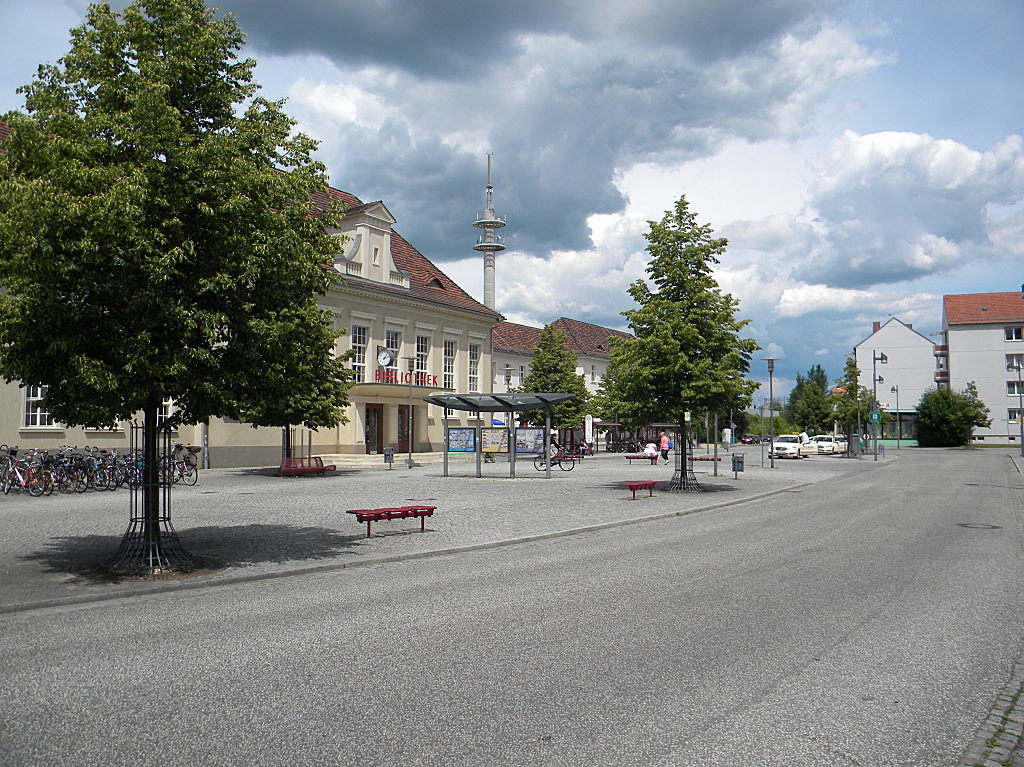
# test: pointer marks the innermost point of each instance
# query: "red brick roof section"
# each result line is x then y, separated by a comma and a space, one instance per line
588, 339
582, 337
975, 308
510, 337
5, 130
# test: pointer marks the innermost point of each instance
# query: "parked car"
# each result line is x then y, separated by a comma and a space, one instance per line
790, 446
750, 439
826, 444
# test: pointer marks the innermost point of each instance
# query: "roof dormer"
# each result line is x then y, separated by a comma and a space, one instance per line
367, 249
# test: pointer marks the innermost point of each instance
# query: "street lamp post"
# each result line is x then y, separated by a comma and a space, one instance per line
771, 406
899, 421
875, 380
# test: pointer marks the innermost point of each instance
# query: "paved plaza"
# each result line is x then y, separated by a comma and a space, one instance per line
253, 524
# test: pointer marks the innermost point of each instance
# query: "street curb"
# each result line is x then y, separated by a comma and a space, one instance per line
231, 580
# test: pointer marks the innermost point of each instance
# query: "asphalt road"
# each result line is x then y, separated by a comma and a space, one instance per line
869, 619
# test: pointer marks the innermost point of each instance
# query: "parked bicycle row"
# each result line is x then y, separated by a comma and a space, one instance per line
73, 470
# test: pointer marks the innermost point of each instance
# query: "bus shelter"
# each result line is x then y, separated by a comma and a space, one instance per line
507, 438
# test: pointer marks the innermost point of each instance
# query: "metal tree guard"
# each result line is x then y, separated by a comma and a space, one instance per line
683, 477
150, 545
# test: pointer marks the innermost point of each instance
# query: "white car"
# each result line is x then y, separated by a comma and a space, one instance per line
790, 446
826, 444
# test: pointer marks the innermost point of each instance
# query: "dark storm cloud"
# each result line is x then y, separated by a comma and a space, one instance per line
464, 38
566, 95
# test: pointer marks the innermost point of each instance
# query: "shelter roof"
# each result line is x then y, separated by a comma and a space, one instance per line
499, 403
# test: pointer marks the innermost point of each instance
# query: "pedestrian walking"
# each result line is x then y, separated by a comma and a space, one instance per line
666, 445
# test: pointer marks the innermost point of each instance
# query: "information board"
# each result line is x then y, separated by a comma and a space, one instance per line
461, 440
530, 440
494, 440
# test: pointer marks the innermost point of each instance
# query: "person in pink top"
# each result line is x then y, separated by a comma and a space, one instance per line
665, 447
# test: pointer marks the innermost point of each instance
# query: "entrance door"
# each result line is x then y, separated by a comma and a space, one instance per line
374, 428
404, 425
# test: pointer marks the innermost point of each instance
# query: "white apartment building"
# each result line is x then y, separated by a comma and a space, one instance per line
902, 362
982, 340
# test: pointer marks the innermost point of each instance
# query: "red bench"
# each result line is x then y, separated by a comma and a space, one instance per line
634, 486
297, 467
398, 512
641, 457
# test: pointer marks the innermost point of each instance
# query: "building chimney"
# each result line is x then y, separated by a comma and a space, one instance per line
910, 325
875, 326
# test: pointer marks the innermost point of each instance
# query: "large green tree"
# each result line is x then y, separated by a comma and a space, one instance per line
945, 418
687, 353
815, 377
553, 369
157, 237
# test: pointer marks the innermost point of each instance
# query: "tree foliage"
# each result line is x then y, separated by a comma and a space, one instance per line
687, 352
553, 369
851, 401
157, 238
810, 403
945, 417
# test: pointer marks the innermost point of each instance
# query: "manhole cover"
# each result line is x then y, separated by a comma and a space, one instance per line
978, 526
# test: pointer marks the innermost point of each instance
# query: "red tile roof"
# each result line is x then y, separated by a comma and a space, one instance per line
581, 337
976, 308
5, 130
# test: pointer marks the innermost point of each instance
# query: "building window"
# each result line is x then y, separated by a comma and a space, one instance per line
1014, 334
474, 367
165, 411
1013, 415
376, 256
1014, 388
394, 343
422, 353
359, 336
35, 415
449, 365
593, 374
1014, 361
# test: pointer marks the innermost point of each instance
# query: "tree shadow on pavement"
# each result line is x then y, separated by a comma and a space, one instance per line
213, 548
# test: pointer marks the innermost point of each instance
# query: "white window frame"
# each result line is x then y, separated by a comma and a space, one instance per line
359, 338
474, 367
423, 344
393, 341
1012, 389
450, 349
1013, 333
33, 416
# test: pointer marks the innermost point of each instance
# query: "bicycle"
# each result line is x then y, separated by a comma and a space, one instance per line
561, 460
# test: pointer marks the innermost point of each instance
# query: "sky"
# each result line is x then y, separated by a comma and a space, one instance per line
862, 157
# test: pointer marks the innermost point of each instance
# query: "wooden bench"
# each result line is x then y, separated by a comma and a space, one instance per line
397, 512
297, 467
634, 486
641, 457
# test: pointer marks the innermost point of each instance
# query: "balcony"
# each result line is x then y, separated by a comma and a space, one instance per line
941, 350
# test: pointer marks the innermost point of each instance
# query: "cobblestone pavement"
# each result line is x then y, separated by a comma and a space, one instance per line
259, 525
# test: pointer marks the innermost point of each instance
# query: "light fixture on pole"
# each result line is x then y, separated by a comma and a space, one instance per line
771, 406
899, 421
875, 380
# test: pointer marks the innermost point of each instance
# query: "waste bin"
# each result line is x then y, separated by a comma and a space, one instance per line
737, 463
